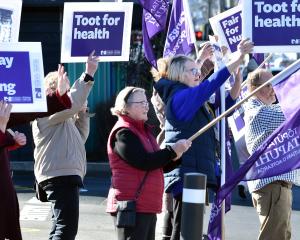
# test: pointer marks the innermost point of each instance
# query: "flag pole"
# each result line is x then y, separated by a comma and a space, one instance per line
191, 25
282, 75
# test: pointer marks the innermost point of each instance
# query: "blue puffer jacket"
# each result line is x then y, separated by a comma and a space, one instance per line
201, 157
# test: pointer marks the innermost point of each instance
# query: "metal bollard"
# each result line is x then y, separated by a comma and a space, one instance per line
193, 203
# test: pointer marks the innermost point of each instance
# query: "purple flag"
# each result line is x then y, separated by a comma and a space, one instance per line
258, 57
180, 37
290, 101
280, 152
154, 21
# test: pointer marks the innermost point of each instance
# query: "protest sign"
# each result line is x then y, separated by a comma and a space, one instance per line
22, 76
228, 27
103, 27
273, 25
10, 16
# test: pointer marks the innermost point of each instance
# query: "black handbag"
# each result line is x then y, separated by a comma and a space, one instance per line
126, 209
40, 193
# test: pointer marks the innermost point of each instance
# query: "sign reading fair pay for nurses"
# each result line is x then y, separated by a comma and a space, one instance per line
104, 27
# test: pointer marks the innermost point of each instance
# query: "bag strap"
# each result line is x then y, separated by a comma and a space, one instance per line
139, 190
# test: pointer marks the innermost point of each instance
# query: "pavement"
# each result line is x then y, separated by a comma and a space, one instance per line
241, 222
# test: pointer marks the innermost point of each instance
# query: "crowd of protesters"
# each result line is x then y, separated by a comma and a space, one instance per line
142, 166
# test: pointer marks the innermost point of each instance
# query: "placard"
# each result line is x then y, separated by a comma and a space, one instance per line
273, 25
228, 27
22, 76
103, 27
10, 16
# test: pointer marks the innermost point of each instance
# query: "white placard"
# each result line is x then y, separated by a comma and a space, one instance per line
10, 16
103, 27
227, 26
22, 76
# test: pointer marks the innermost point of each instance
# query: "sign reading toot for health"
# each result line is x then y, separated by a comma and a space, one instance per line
273, 25
103, 27
22, 76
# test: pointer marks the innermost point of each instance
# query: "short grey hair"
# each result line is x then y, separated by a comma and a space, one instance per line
122, 100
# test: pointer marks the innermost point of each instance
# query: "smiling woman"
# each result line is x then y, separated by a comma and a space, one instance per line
136, 163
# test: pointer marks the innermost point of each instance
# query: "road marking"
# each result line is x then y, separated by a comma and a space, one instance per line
30, 230
34, 210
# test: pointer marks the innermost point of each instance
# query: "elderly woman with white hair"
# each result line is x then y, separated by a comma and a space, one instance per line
136, 162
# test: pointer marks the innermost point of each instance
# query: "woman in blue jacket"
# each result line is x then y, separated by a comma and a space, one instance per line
187, 111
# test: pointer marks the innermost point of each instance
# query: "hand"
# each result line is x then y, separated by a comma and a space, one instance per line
244, 47
5, 109
91, 64
205, 53
20, 138
180, 147
63, 83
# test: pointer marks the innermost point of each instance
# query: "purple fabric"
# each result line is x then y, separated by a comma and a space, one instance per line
290, 101
179, 37
279, 153
258, 57
154, 21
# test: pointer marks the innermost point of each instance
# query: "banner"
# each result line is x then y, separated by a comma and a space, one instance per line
228, 27
103, 27
273, 25
22, 76
180, 37
10, 16
278, 154
154, 21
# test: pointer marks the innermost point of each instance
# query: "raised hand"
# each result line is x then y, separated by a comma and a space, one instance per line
206, 52
245, 47
91, 64
5, 109
63, 83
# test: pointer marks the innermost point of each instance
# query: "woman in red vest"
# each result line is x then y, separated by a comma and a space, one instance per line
136, 162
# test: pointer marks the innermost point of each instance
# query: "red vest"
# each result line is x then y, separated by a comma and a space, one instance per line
126, 179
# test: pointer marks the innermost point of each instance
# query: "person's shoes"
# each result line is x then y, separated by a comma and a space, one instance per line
241, 190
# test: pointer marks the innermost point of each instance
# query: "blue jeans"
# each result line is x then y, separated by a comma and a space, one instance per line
64, 196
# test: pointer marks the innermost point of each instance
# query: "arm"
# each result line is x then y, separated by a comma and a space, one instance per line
128, 146
188, 101
244, 47
55, 103
78, 93
82, 122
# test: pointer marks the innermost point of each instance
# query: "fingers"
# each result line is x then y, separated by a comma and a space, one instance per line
5, 108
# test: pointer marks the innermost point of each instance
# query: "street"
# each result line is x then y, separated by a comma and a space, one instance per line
95, 224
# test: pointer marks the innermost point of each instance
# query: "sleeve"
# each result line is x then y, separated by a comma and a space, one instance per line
6, 140
82, 123
128, 146
187, 102
55, 103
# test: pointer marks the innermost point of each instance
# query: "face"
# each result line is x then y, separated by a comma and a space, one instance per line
191, 74
266, 94
138, 106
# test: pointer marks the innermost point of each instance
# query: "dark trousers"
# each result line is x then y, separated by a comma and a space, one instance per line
64, 196
167, 225
144, 229
177, 206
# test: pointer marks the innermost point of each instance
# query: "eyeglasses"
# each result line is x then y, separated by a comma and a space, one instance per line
143, 103
194, 71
